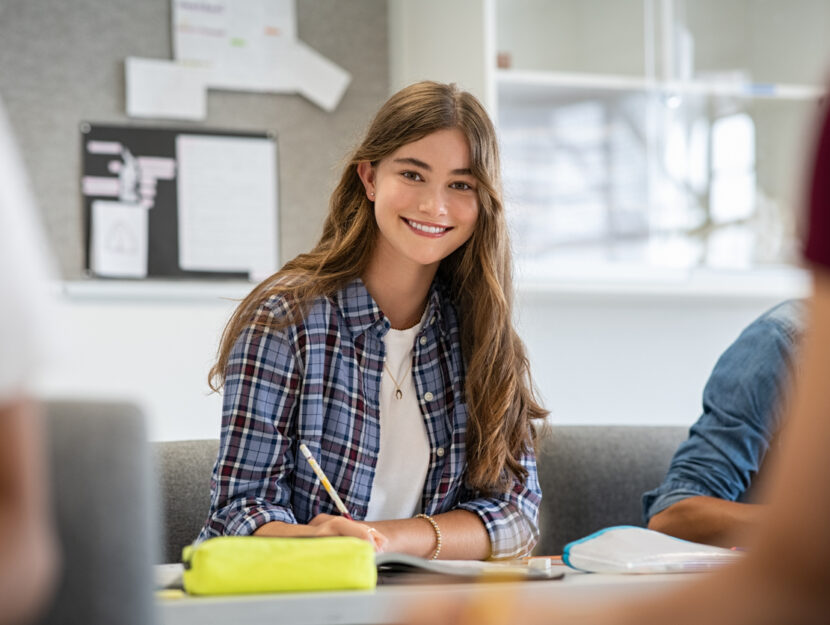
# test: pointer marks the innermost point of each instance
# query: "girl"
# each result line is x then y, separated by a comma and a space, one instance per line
389, 351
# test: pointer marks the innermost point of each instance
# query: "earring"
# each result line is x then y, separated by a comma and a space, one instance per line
372, 194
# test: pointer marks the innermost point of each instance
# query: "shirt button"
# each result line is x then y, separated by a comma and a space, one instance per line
429, 396
439, 452
432, 321
423, 340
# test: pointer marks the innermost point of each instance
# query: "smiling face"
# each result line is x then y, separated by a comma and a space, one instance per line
425, 199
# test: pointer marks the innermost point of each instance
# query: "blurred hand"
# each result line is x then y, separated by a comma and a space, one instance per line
502, 605
484, 606
331, 525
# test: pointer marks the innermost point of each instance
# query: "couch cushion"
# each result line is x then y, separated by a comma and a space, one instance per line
594, 477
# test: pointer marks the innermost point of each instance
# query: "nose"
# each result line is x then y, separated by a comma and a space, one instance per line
434, 202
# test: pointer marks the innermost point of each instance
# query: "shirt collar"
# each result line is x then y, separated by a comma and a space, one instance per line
361, 312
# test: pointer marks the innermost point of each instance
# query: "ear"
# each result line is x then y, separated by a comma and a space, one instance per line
366, 172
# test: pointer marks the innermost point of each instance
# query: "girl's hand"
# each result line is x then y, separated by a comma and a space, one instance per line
331, 525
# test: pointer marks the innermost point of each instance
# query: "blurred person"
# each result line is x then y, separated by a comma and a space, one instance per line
710, 493
28, 551
785, 576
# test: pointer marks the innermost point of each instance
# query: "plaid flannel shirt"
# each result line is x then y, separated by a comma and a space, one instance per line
318, 382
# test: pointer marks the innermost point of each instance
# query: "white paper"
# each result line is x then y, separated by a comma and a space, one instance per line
156, 168
100, 186
320, 80
119, 240
252, 45
165, 89
168, 575
244, 43
227, 196
103, 147
258, 78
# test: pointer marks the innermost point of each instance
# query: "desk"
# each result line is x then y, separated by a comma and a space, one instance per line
385, 604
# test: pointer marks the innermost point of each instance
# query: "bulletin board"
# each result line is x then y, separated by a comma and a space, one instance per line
179, 203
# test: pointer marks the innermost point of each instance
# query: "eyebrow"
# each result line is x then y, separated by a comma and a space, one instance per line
418, 163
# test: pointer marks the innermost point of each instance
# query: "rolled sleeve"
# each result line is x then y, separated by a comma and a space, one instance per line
245, 516
741, 414
669, 493
250, 482
511, 519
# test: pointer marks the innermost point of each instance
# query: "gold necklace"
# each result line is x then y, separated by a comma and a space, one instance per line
398, 391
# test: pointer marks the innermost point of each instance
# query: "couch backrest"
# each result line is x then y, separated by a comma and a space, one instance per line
594, 477
591, 476
184, 469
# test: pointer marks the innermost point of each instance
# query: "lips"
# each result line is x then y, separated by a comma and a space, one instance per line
429, 230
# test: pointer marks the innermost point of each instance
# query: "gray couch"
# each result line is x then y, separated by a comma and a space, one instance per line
594, 476
184, 469
591, 476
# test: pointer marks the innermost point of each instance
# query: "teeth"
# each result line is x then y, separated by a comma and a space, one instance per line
423, 228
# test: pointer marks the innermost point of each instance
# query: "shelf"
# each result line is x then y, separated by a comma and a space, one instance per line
620, 282
211, 291
642, 282
517, 87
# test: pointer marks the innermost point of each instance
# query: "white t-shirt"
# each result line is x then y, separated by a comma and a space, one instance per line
24, 267
403, 459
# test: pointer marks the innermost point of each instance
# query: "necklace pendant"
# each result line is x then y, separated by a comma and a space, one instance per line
398, 394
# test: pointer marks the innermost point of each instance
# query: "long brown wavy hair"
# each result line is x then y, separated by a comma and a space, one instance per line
500, 400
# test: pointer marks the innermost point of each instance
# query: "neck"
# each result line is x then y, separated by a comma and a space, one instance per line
400, 291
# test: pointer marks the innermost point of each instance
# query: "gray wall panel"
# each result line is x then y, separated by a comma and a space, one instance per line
62, 61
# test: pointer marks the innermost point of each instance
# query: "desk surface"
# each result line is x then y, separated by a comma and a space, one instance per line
386, 604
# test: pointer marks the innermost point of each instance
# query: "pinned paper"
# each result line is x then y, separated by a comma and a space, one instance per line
101, 186
252, 45
119, 240
251, 78
322, 81
241, 32
166, 89
226, 198
245, 44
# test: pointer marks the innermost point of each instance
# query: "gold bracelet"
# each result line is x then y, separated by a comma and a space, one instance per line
437, 534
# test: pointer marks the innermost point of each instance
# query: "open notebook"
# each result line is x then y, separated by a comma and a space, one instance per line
404, 568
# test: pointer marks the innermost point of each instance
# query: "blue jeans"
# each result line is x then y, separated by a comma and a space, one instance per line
741, 414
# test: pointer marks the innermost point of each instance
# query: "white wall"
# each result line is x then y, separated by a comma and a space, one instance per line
148, 344
606, 355
443, 41
630, 359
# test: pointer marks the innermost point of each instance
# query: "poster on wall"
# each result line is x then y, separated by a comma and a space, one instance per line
170, 203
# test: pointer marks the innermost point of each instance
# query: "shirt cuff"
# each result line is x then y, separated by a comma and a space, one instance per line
669, 494
512, 535
246, 521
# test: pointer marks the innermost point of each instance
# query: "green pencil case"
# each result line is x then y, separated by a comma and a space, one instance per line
232, 565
